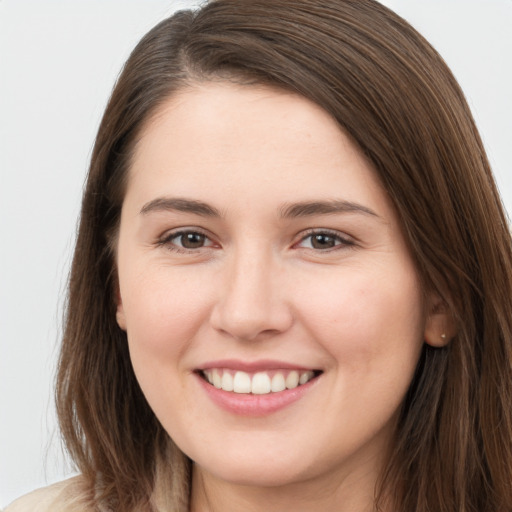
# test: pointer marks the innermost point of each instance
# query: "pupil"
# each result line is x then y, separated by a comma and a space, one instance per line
323, 242
192, 240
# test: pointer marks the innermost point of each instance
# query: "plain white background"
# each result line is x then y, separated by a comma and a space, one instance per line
58, 63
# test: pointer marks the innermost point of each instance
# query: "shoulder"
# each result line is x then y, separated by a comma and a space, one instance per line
54, 498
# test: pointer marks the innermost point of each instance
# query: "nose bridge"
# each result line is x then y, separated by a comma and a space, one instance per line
251, 301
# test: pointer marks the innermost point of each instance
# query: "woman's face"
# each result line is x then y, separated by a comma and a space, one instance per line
273, 312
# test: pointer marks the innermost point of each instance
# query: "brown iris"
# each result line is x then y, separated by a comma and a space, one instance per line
321, 241
192, 240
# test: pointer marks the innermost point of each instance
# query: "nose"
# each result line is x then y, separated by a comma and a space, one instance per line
252, 301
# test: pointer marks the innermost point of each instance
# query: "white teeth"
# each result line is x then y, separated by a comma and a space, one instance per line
259, 383
278, 383
305, 377
227, 381
242, 383
292, 381
217, 379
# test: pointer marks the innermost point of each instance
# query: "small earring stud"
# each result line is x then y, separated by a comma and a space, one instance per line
443, 336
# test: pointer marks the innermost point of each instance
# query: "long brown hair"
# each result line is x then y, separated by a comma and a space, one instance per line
393, 94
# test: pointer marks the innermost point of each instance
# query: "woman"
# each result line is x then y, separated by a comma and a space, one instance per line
291, 285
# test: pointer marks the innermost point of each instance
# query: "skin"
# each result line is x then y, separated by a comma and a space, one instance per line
261, 288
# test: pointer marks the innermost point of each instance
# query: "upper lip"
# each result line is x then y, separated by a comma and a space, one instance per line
253, 366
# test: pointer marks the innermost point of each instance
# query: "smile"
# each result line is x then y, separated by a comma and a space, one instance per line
257, 383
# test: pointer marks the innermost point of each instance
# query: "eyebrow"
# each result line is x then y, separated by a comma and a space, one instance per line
293, 210
307, 209
180, 205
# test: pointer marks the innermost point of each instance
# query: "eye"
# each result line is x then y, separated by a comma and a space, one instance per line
186, 240
324, 240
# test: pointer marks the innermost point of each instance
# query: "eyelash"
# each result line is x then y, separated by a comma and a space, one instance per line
167, 241
340, 241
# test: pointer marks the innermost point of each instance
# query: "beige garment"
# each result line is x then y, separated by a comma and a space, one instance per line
46, 499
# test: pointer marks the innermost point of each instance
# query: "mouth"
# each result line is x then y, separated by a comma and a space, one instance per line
257, 383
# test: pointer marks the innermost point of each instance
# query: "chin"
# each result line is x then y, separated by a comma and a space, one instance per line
261, 464
262, 474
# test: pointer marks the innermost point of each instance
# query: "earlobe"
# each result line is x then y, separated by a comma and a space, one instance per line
440, 326
120, 316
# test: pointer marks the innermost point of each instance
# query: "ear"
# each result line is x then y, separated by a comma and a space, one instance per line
440, 326
120, 316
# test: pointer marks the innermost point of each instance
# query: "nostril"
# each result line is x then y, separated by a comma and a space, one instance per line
252, 322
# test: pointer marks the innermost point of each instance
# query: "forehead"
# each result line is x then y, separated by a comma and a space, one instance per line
213, 139
223, 111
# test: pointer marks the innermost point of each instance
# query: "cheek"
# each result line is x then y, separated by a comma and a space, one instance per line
362, 318
162, 308
372, 328
163, 314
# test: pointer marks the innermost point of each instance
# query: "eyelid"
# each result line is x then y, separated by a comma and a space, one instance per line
165, 239
343, 240
346, 241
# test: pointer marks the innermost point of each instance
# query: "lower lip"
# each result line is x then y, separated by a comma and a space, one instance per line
245, 404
